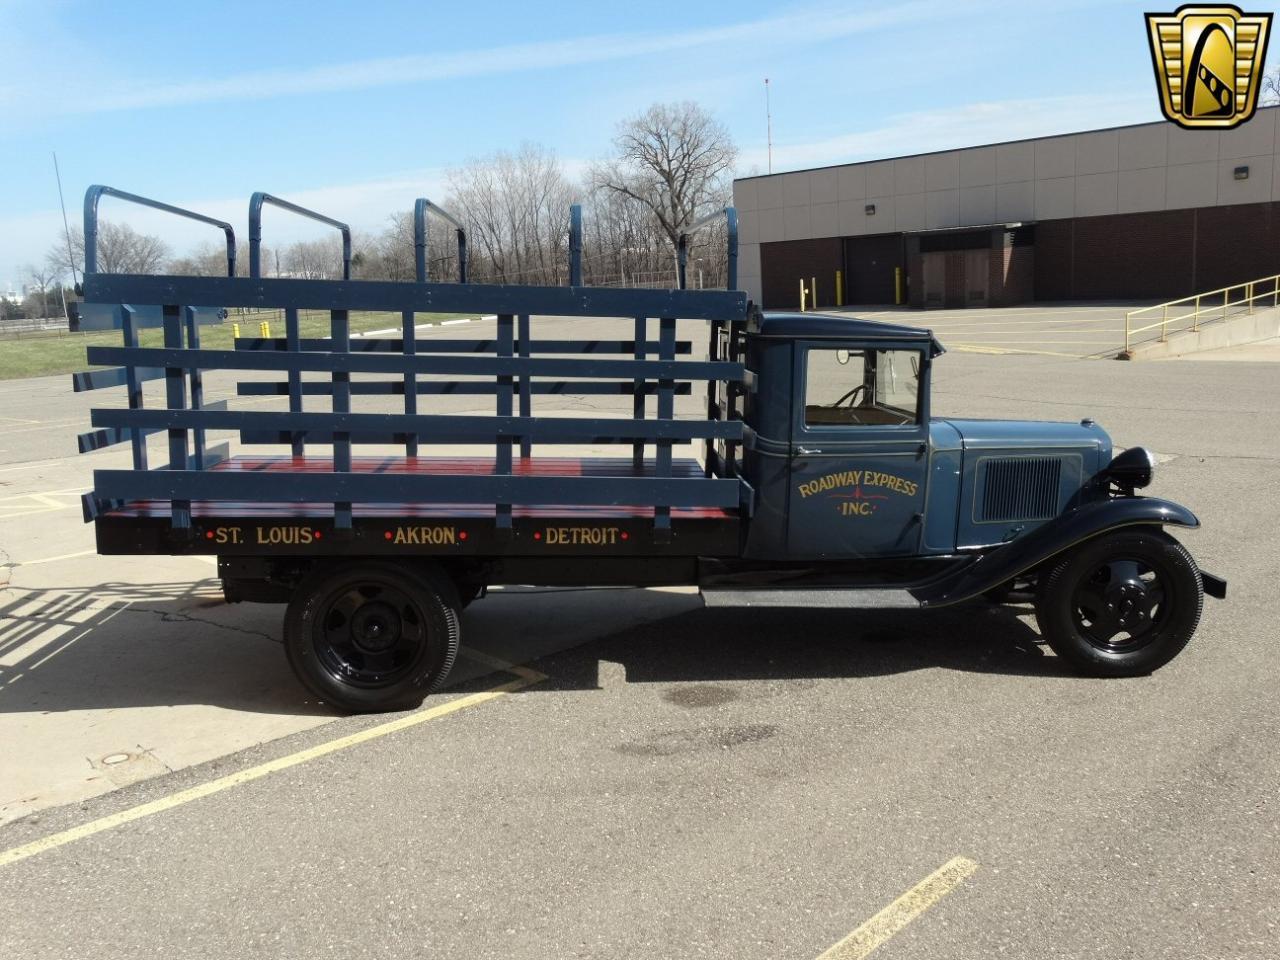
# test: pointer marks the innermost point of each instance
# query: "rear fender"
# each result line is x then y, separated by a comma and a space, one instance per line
1002, 564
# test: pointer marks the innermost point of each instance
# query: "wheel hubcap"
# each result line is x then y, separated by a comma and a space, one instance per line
1118, 605
375, 627
370, 634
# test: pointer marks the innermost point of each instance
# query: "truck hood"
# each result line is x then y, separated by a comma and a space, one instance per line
1013, 434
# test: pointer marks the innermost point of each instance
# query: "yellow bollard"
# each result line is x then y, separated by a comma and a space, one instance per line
264, 331
897, 285
802, 292
839, 288
235, 331
813, 292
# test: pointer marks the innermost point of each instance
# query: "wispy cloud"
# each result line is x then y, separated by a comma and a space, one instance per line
961, 126
798, 27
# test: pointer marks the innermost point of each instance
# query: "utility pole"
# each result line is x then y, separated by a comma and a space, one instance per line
768, 120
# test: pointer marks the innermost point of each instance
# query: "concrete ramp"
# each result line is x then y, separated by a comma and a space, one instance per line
1237, 329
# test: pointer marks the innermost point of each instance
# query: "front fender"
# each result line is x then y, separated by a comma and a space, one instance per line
1003, 563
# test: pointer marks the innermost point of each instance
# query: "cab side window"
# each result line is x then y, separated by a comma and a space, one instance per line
861, 387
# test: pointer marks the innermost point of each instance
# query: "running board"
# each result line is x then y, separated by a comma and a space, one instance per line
850, 598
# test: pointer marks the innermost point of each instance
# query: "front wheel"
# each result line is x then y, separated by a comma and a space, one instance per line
371, 636
1122, 604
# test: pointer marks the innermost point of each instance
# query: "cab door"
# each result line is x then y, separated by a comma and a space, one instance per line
858, 452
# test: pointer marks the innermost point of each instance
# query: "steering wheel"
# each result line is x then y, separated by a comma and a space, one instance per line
851, 396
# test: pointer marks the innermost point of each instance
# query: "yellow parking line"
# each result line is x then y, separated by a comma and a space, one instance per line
902, 911
1002, 351
526, 677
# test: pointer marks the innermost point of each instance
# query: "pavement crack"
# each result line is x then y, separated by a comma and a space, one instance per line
177, 616
7, 565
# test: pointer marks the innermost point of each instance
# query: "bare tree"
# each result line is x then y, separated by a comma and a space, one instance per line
39, 278
313, 259
392, 254
207, 260
1269, 94
57, 261
675, 160
516, 207
121, 249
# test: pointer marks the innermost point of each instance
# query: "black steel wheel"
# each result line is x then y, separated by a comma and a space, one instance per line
370, 636
1122, 604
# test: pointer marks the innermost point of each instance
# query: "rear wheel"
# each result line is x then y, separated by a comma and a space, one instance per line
371, 636
1122, 604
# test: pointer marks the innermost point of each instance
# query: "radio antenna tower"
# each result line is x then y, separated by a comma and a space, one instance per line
768, 120
66, 229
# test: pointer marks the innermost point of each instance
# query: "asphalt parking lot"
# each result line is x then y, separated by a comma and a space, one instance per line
626, 773
1094, 330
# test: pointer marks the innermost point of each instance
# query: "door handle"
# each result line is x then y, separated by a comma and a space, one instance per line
806, 452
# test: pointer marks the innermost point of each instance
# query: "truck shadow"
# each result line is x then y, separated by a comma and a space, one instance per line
129, 645
744, 644
119, 645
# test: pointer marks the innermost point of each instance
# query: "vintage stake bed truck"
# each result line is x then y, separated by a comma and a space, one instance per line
825, 479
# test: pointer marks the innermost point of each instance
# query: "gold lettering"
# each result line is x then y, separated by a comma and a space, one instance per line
856, 508
433, 536
581, 536
284, 536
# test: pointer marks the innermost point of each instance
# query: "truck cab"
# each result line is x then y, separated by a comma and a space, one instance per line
849, 462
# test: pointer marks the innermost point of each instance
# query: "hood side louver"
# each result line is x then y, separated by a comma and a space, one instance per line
1018, 488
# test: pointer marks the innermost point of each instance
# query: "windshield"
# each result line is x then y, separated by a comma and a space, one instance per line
861, 387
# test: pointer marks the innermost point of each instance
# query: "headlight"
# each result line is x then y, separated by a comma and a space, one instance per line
1132, 469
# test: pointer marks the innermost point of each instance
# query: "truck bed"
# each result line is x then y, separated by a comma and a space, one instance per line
307, 484
252, 528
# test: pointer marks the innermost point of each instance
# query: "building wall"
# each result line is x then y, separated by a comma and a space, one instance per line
1164, 254
1096, 180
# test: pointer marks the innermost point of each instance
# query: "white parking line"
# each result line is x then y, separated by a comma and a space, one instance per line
64, 556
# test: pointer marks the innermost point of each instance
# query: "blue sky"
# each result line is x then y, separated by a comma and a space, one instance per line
358, 108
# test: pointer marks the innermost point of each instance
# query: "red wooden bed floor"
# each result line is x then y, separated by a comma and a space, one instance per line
685, 468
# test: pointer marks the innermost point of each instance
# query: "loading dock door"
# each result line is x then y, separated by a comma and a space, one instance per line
869, 265
934, 268
976, 276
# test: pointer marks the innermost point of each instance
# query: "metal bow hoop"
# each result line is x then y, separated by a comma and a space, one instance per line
421, 207
97, 192
258, 200
731, 224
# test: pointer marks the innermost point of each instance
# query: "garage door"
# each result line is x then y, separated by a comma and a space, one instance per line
869, 265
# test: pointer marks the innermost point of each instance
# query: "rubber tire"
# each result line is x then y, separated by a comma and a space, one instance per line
1183, 590
430, 589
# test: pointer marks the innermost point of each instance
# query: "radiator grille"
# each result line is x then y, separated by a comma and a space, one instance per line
1020, 488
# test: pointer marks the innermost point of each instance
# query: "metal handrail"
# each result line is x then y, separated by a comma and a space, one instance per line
1202, 308
682, 245
421, 206
256, 203
98, 191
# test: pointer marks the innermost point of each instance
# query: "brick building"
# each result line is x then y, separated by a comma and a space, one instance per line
1147, 211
